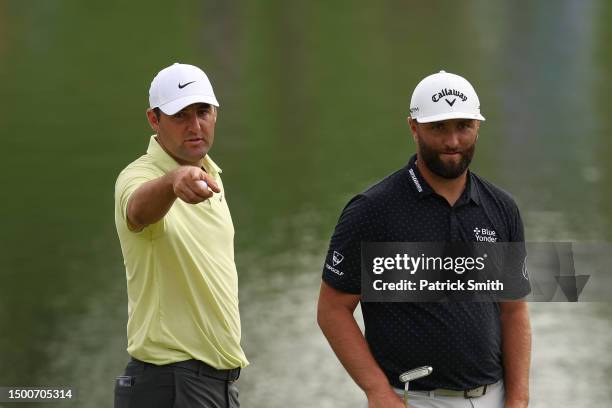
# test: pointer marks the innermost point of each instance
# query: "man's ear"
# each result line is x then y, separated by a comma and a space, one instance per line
214, 114
153, 121
413, 127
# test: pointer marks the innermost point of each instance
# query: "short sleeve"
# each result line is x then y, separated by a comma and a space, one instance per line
342, 268
516, 277
128, 181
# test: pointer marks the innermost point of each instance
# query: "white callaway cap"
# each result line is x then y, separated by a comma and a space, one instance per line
444, 96
180, 85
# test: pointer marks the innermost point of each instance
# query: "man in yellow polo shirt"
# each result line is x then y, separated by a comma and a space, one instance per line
177, 240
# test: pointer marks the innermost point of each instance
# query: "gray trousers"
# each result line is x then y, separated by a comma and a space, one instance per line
494, 398
145, 385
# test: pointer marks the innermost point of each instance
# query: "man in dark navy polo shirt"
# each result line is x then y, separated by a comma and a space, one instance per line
479, 351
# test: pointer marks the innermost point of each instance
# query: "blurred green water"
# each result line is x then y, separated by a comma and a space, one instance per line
313, 103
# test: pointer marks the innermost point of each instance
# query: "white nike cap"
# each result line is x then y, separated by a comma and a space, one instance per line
180, 85
444, 96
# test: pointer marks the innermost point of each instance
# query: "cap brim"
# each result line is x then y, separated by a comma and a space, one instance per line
450, 115
176, 105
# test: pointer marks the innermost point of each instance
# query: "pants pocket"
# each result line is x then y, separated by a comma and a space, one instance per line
123, 392
232, 394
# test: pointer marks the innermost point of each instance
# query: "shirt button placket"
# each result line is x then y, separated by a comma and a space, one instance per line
455, 236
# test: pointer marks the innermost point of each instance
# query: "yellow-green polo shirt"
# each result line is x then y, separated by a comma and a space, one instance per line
182, 282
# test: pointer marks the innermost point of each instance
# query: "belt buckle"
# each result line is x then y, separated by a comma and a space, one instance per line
467, 394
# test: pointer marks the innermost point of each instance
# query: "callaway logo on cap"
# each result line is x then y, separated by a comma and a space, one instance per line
180, 85
444, 96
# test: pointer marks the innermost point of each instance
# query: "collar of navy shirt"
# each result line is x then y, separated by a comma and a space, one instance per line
470, 193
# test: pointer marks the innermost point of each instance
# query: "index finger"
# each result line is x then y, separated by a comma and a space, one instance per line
212, 184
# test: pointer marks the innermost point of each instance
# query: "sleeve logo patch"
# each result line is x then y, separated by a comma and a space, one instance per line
334, 270
337, 258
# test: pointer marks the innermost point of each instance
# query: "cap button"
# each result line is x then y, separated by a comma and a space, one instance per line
442, 72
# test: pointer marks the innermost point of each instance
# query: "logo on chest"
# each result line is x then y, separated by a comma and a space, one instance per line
485, 235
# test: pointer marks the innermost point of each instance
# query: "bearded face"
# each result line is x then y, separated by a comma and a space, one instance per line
447, 147
448, 164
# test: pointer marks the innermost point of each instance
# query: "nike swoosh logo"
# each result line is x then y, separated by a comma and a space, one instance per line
449, 103
181, 86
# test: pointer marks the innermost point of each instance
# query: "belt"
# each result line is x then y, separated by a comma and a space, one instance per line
200, 368
471, 393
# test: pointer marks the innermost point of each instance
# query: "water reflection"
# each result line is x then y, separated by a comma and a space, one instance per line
543, 64
313, 100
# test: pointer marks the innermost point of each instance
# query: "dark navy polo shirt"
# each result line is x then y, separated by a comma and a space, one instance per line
460, 340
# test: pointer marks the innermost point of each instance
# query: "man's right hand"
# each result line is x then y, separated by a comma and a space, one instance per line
186, 187
386, 399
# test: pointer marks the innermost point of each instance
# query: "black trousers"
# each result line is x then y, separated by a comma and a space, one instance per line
188, 384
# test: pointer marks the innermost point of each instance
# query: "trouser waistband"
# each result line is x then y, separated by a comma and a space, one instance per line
200, 368
471, 393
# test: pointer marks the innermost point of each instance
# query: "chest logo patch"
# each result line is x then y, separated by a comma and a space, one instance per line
337, 258
485, 235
